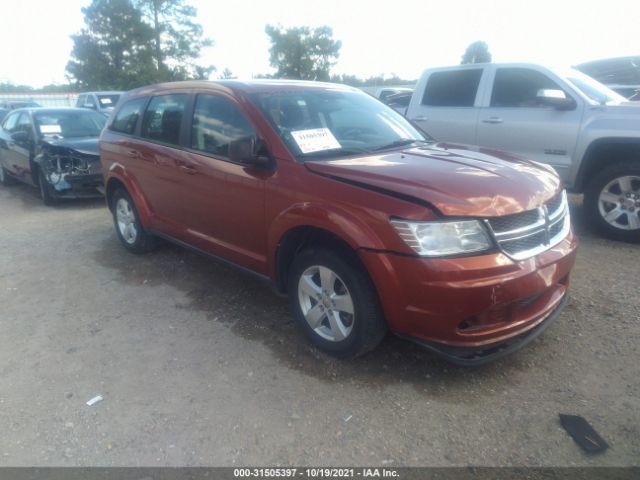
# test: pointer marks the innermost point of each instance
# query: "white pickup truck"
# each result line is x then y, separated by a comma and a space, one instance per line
587, 132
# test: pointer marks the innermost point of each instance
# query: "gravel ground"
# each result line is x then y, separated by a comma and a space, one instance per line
201, 365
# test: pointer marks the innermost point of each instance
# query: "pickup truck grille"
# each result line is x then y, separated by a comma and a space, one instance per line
524, 235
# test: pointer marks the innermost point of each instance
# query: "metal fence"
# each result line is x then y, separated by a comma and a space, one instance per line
44, 99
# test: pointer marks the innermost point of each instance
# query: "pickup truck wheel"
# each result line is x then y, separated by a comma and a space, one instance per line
128, 226
335, 303
47, 192
612, 202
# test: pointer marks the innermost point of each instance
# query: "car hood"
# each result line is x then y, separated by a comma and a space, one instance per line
86, 146
456, 180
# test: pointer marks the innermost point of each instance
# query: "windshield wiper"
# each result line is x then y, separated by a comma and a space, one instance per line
399, 143
336, 152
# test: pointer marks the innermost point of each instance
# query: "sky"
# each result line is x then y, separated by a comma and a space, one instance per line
386, 38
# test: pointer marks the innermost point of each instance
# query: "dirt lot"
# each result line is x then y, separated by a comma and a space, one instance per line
201, 365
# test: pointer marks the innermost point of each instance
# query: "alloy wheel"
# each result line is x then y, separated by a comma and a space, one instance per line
326, 303
619, 202
126, 219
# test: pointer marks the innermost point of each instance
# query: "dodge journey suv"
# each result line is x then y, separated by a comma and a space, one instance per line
335, 199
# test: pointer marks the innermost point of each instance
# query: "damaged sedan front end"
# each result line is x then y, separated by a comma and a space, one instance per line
72, 169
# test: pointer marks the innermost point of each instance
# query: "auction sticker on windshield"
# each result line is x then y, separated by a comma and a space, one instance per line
50, 129
315, 140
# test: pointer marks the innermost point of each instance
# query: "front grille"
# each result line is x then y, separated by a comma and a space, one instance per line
524, 235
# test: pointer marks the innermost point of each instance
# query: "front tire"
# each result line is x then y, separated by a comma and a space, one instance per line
612, 202
129, 229
335, 303
5, 178
47, 192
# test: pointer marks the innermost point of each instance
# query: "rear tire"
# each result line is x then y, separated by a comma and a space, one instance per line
612, 202
129, 229
335, 303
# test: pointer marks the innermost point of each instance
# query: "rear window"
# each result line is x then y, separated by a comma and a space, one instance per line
126, 119
456, 88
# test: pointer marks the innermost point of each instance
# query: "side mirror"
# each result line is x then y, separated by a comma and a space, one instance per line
250, 151
556, 99
20, 137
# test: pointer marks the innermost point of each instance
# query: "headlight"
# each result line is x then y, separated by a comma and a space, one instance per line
437, 239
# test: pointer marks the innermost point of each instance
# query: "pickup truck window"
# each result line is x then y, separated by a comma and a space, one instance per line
216, 123
127, 118
456, 88
163, 119
518, 87
356, 121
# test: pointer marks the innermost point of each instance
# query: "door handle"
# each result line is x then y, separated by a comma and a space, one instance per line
421, 118
133, 154
188, 169
493, 120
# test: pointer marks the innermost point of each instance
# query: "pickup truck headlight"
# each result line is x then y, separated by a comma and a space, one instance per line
439, 239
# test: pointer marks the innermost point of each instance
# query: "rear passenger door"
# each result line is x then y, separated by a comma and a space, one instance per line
515, 121
444, 104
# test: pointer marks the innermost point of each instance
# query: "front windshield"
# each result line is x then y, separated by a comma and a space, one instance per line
592, 88
330, 123
70, 124
108, 100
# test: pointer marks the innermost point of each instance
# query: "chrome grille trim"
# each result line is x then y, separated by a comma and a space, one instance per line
513, 243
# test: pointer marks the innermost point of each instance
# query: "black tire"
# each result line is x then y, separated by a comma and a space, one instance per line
5, 178
367, 324
592, 201
142, 241
47, 192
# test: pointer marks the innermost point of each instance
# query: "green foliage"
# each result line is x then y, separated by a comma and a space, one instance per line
177, 40
375, 81
476, 52
126, 45
112, 51
302, 53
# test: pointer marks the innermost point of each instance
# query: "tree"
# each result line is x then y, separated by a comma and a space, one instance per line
303, 53
112, 51
227, 74
177, 40
476, 52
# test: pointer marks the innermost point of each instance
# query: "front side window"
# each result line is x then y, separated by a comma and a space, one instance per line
334, 122
23, 124
519, 87
162, 120
455, 88
127, 117
216, 123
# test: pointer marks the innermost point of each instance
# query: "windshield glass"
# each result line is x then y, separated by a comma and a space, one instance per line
108, 101
592, 88
70, 124
331, 123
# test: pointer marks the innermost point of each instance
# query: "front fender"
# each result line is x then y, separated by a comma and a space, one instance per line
346, 225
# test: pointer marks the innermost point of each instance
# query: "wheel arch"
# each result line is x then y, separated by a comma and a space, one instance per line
305, 226
598, 155
118, 178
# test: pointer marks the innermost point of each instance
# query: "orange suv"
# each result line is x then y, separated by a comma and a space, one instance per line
332, 197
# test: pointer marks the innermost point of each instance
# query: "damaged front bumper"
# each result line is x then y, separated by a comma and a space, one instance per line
73, 175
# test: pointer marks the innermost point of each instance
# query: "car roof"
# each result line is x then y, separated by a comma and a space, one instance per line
240, 86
